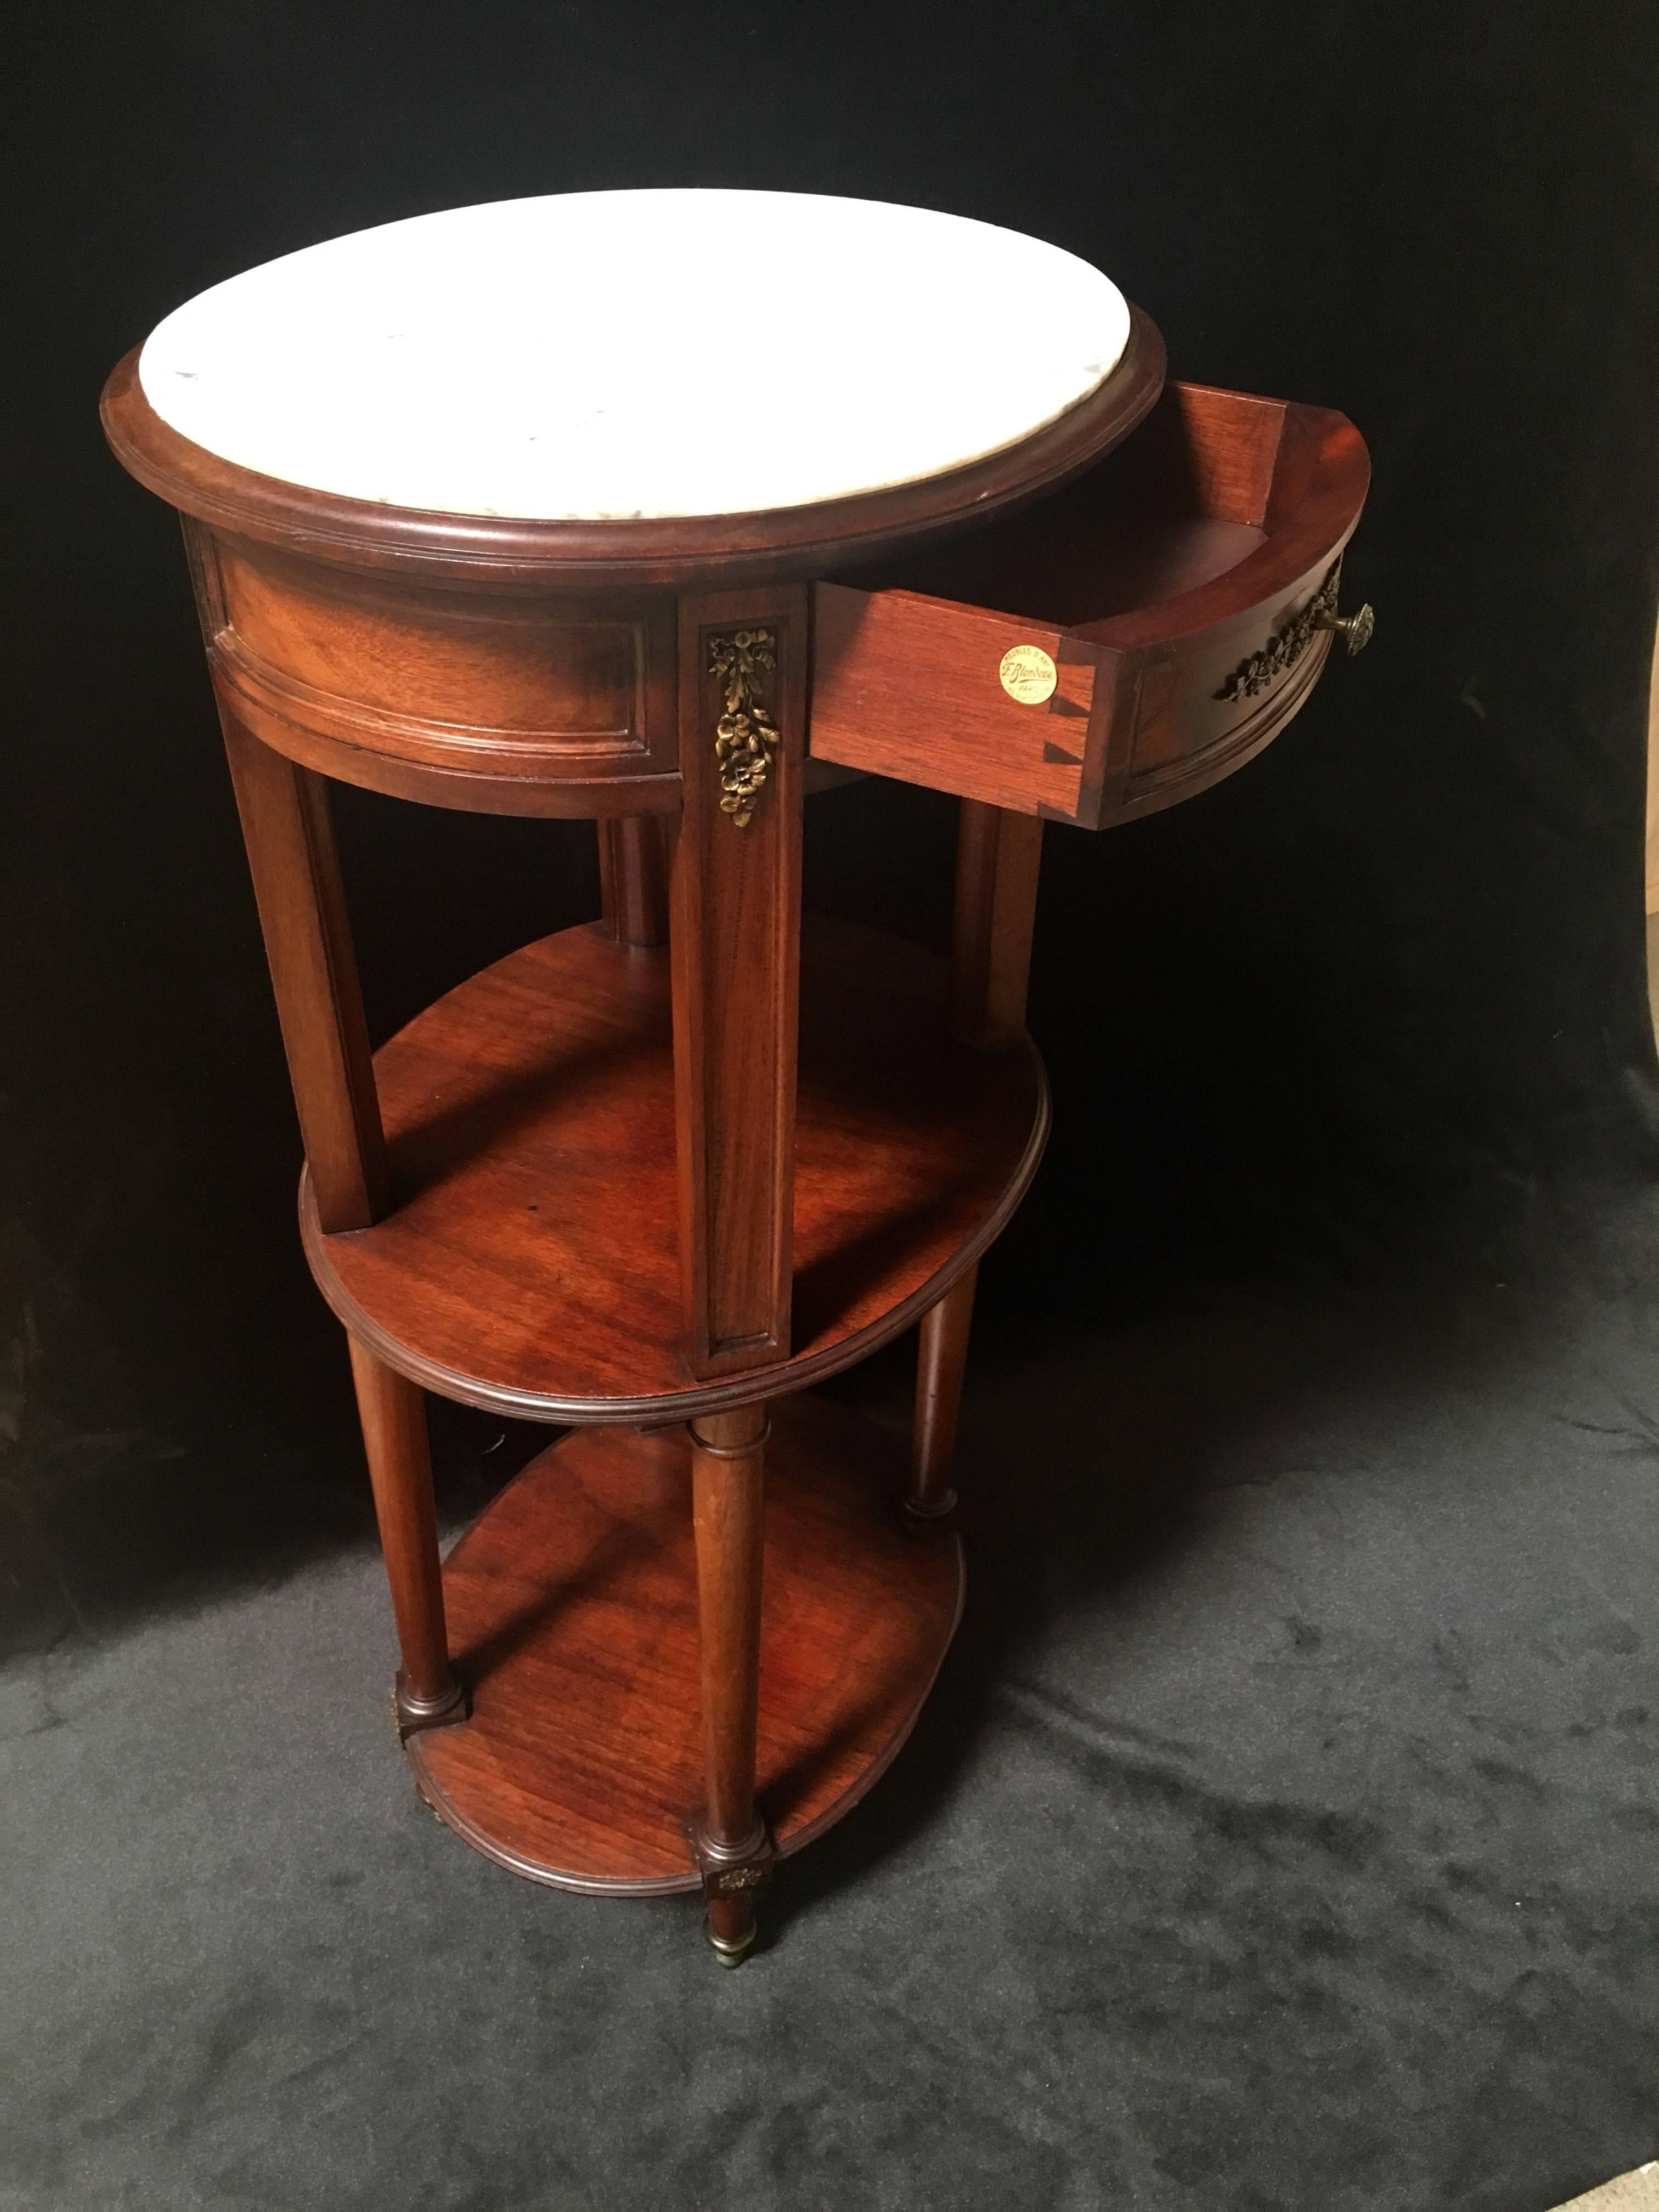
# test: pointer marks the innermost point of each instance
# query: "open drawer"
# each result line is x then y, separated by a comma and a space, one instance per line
1160, 619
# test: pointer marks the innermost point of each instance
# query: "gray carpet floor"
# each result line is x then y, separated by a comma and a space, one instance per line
1282, 1832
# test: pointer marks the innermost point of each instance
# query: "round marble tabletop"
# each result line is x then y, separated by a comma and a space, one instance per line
610, 356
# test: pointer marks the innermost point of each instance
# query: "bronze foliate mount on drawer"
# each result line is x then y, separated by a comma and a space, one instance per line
745, 736
1287, 645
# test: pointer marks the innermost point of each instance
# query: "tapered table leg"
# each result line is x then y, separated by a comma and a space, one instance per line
313, 973
733, 1850
998, 858
941, 1360
634, 878
393, 1414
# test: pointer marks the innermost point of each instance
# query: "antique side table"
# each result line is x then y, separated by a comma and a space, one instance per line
654, 508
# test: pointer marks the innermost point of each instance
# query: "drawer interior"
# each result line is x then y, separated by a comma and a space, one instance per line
1167, 596
1195, 490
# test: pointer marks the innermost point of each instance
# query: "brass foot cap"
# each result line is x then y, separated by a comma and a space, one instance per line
730, 1950
411, 1714
927, 1517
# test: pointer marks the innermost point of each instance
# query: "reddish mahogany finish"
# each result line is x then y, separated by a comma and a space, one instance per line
633, 863
735, 942
941, 1363
573, 1616
531, 1264
998, 858
728, 1464
503, 554
296, 882
393, 1415
1147, 581
673, 1167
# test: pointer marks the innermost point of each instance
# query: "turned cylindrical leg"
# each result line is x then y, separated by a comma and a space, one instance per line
999, 857
393, 1413
728, 1452
634, 878
296, 881
941, 1360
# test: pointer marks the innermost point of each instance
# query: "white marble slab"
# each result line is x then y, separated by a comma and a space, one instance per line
601, 355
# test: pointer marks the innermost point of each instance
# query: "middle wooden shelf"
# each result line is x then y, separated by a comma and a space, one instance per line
530, 1262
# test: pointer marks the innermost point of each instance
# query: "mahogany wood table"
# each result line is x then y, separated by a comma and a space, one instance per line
516, 509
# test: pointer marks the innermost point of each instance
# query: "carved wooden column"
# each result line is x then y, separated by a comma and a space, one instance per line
736, 944
733, 1848
736, 957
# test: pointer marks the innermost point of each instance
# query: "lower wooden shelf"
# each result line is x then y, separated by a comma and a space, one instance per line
531, 1264
572, 1617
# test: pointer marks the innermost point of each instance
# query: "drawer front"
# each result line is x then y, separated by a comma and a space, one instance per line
484, 684
1195, 610
958, 698
1207, 703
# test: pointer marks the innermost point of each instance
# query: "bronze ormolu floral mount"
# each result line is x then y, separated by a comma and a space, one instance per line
744, 737
1287, 645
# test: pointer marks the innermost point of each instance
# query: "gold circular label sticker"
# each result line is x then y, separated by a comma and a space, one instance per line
1028, 675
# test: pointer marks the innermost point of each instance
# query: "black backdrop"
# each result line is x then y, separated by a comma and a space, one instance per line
1380, 984
1280, 1832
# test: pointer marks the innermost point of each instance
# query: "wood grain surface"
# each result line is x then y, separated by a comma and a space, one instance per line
730, 1838
289, 836
573, 1618
998, 864
633, 863
941, 1363
734, 956
393, 1415
1147, 581
530, 1263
